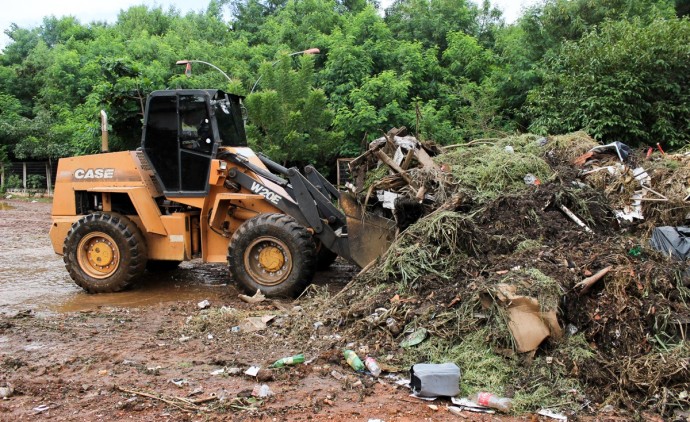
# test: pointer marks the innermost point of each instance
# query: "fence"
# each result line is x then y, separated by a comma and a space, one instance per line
34, 176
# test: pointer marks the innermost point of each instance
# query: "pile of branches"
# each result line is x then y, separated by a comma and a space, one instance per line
517, 212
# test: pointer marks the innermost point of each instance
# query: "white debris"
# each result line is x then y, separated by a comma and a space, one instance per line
387, 198
553, 415
180, 382
252, 371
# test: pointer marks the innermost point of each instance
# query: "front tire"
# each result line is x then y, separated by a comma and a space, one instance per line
272, 252
104, 252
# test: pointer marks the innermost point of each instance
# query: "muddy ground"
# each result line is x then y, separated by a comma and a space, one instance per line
73, 356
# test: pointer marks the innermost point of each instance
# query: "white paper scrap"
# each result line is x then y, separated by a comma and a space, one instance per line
252, 371
553, 415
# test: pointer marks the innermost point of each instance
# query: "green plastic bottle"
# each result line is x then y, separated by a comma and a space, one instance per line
353, 360
292, 360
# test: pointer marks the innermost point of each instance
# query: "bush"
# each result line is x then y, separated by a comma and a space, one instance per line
630, 82
35, 181
13, 182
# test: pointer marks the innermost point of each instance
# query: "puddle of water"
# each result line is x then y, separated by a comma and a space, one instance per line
33, 277
185, 284
36, 279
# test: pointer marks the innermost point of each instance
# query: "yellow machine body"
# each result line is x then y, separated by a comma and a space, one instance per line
125, 181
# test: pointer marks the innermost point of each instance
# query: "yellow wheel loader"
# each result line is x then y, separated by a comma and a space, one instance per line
195, 190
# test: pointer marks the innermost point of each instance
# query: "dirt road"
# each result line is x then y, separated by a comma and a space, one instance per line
152, 354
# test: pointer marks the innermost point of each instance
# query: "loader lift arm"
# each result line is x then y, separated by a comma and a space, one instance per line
316, 179
306, 204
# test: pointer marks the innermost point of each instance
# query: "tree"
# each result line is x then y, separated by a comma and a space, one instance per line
428, 21
628, 82
682, 8
289, 120
10, 121
547, 26
248, 16
56, 31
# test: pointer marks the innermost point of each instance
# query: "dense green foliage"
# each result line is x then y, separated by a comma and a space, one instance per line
450, 70
637, 89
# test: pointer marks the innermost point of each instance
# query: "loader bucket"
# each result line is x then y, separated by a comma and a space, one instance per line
369, 235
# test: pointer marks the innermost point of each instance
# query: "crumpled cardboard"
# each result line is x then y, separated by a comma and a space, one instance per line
251, 324
527, 323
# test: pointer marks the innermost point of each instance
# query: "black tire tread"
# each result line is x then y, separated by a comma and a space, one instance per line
133, 239
304, 256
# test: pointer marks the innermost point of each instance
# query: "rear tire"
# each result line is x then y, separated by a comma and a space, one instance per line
161, 266
104, 252
272, 252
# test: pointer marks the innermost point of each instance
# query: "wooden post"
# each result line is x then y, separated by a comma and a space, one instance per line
48, 176
2, 175
24, 178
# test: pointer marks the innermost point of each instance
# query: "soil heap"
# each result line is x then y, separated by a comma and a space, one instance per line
505, 242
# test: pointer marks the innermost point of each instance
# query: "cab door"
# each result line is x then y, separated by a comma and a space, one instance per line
195, 140
179, 142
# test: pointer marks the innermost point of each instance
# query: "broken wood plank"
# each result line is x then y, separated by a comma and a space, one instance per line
408, 159
356, 162
420, 194
588, 282
397, 131
660, 197
396, 168
359, 160
424, 159
575, 218
390, 138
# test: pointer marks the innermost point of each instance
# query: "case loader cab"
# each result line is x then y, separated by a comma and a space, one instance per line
183, 130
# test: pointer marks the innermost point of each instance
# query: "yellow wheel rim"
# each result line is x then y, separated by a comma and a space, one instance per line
268, 261
98, 255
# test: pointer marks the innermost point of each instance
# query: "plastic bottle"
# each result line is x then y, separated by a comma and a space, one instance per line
353, 360
504, 404
292, 360
372, 366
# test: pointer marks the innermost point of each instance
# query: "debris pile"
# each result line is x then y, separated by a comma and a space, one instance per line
520, 262
526, 262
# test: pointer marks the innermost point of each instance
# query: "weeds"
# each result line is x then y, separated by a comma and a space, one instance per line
490, 171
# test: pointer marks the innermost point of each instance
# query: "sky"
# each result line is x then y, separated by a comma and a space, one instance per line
30, 13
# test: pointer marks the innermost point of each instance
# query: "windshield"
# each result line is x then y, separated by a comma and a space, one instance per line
228, 113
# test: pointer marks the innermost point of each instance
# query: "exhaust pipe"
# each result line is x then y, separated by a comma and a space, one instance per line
104, 132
